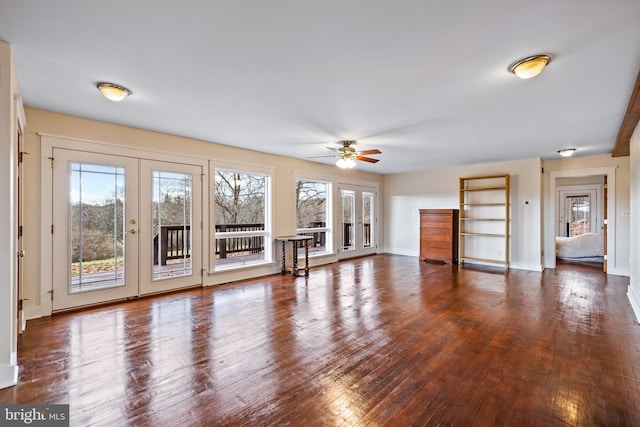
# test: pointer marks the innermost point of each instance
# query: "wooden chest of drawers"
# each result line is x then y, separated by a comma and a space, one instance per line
439, 235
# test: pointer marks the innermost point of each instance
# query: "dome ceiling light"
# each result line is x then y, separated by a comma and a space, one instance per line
530, 67
566, 152
112, 91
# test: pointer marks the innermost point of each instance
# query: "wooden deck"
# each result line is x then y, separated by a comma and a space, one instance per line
381, 340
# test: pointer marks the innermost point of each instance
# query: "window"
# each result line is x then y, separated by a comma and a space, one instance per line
313, 200
241, 217
172, 224
368, 222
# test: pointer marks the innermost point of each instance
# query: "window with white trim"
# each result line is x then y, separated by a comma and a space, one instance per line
242, 226
313, 214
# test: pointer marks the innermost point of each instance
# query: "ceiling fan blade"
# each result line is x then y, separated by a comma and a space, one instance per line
318, 157
367, 159
374, 151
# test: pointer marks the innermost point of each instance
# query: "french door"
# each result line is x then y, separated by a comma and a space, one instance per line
357, 221
171, 226
580, 212
123, 227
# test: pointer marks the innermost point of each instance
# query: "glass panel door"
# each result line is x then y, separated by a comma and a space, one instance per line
578, 214
113, 214
172, 223
96, 216
94, 231
170, 226
358, 223
368, 219
348, 220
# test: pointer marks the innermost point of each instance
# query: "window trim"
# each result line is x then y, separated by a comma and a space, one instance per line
267, 233
329, 229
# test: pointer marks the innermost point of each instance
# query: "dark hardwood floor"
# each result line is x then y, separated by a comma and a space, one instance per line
382, 340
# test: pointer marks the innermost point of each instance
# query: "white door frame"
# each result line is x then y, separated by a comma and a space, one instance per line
62, 297
550, 239
149, 284
44, 307
596, 208
359, 190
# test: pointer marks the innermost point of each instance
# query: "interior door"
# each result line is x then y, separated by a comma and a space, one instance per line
357, 221
170, 226
95, 240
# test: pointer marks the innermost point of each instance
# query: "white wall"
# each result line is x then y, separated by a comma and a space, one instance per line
406, 193
634, 288
618, 214
8, 315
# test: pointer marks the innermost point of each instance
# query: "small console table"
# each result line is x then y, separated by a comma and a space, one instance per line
294, 241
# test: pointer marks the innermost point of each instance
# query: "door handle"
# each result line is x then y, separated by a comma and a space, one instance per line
133, 231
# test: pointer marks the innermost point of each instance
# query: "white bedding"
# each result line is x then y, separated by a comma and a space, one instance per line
582, 246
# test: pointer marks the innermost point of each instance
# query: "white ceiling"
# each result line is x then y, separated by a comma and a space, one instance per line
424, 81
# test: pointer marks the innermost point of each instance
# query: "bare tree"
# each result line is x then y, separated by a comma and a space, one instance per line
239, 197
311, 203
172, 200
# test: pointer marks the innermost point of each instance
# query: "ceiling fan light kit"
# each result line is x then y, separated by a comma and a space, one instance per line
112, 91
346, 163
530, 67
347, 155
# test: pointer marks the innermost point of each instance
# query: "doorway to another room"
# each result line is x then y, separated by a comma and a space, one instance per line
580, 233
582, 209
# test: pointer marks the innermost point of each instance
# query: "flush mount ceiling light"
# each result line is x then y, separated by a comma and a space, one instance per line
567, 152
530, 67
113, 92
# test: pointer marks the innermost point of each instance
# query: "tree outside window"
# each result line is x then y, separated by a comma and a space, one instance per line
241, 226
312, 213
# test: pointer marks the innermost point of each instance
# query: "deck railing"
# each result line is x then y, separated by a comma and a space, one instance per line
170, 242
231, 245
173, 239
319, 238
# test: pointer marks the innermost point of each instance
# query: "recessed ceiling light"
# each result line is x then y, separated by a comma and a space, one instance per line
567, 152
529, 67
112, 91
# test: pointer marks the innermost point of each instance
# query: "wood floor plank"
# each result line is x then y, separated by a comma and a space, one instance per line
383, 340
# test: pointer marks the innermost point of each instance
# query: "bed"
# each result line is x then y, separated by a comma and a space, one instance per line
588, 246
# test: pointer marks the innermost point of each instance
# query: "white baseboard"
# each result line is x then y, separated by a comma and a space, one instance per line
392, 251
527, 267
618, 271
8, 375
35, 312
635, 302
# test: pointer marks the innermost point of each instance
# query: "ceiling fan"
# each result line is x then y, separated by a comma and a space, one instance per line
347, 155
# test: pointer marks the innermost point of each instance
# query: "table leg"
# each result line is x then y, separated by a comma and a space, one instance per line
294, 270
306, 257
284, 257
